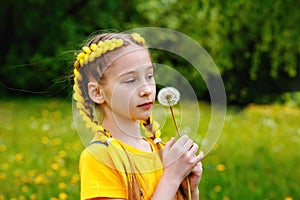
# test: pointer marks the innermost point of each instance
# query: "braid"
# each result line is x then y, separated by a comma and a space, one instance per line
152, 131
87, 64
85, 109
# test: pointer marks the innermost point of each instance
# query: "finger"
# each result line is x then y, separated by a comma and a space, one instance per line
188, 145
182, 140
170, 143
199, 157
197, 167
197, 171
201, 154
184, 143
194, 148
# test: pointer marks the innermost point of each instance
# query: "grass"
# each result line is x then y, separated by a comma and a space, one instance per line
257, 155
39, 150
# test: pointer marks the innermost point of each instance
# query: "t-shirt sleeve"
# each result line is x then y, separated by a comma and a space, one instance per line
99, 179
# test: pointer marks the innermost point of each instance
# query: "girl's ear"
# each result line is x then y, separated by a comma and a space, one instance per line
95, 92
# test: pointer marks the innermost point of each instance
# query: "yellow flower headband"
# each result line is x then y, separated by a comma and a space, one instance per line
137, 37
89, 54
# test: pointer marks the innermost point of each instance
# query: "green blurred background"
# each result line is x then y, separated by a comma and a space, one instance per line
255, 44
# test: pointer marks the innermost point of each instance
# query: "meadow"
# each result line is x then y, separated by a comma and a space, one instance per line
256, 157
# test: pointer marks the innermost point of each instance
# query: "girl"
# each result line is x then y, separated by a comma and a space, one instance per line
113, 76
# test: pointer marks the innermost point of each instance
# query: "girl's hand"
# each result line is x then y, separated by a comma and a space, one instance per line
179, 159
194, 177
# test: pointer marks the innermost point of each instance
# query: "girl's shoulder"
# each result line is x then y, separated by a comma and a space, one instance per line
96, 152
95, 148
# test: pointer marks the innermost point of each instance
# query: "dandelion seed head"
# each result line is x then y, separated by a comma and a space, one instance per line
168, 96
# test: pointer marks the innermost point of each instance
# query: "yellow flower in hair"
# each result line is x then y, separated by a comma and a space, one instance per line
86, 50
108, 42
99, 43
137, 37
112, 46
81, 62
93, 47
105, 48
80, 55
98, 52
77, 74
86, 59
92, 57
120, 43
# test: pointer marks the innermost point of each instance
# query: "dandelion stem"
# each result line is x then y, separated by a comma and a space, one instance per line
171, 109
189, 188
187, 178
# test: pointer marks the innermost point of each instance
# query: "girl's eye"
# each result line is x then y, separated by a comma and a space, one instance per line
130, 81
150, 76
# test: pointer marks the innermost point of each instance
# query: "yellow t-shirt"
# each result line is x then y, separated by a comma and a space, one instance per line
99, 178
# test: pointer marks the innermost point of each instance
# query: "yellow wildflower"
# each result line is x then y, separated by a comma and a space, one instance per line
62, 196
24, 188
220, 167
288, 198
32, 197
5, 166
49, 173
217, 188
32, 172
62, 185
2, 148
22, 197
45, 113
2, 176
62, 154
19, 156
55, 166
45, 140
63, 173
39, 179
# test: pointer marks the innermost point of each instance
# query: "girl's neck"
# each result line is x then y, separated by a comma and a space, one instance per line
121, 129
127, 131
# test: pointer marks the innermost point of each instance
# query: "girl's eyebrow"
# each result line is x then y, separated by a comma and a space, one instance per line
134, 71
127, 73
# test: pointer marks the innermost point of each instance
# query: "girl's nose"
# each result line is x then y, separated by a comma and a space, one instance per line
145, 90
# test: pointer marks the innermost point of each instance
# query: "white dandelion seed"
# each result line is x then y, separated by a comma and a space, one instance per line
168, 96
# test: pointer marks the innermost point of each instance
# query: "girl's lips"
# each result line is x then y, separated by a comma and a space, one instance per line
146, 105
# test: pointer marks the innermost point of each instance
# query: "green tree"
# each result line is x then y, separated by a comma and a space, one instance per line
254, 43
40, 39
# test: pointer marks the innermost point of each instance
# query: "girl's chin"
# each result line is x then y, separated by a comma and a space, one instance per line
141, 118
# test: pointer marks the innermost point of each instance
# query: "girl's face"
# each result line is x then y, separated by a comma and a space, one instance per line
129, 86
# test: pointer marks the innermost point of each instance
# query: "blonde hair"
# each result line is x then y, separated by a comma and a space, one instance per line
91, 63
